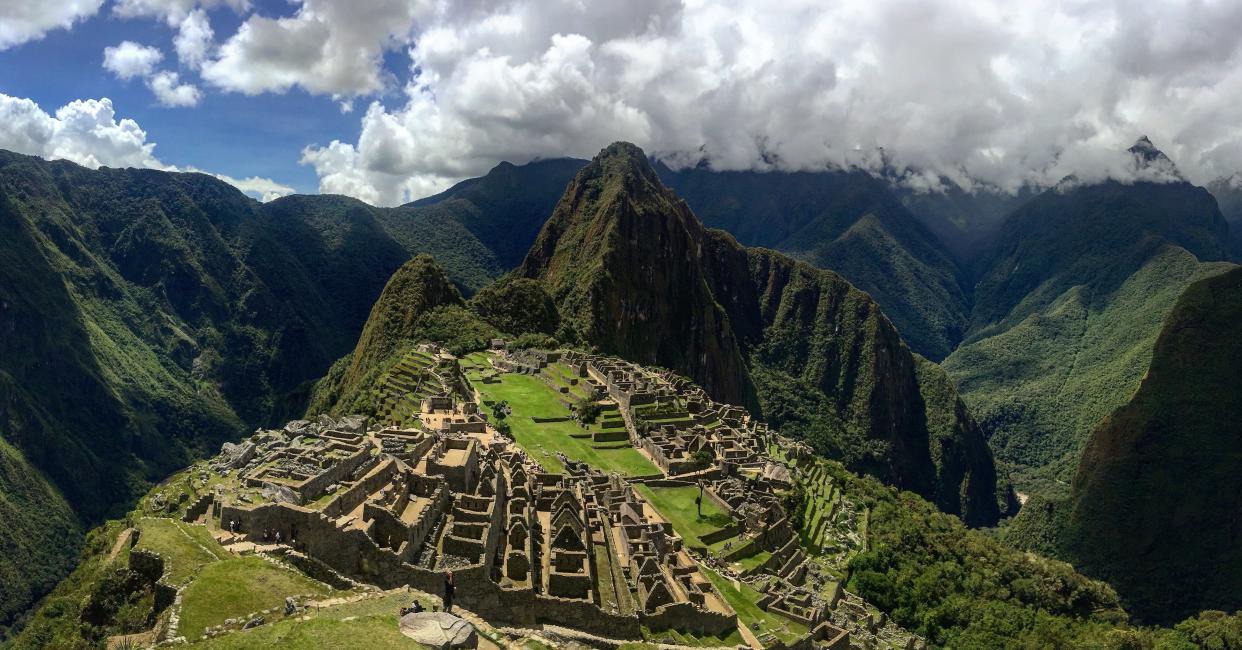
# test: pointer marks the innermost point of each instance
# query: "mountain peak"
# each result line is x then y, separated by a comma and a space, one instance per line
1149, 158
627, 160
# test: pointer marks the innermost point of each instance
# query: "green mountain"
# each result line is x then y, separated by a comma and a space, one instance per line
634, 273
849, 222
1157, 499
418, 303
1228, 193
502, 210
1068, 308
146, 318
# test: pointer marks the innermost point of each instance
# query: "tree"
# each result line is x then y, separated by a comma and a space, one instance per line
588, 411
703, 458
501, 410
794, 502
641, 426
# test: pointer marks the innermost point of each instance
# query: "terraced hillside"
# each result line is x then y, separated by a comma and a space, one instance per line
401, 389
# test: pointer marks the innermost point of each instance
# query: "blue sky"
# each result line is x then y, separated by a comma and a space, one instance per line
227, 132
968, 92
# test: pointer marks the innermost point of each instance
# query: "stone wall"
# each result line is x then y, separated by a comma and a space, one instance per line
353, 497
150, 566
198, 508
687, 616
354, 554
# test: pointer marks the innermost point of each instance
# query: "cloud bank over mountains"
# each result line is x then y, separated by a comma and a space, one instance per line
972, 92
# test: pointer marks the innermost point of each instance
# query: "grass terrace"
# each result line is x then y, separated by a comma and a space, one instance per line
529, 397
677, 505
185, 549
743, 598
236, 587
371, 622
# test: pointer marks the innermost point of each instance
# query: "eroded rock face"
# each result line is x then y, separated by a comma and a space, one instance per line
439, 630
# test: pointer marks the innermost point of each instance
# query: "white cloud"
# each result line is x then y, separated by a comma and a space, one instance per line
174, 12
194, 39
169, 91
28, 20
129, 59
327, 47
973, 91
88, 133
263, 189
84, 131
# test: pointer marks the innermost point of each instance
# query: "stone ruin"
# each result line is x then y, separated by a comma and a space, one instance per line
391, 507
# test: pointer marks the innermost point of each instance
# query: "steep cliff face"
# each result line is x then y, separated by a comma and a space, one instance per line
621, 255
1157, 499
849, 222
635, 274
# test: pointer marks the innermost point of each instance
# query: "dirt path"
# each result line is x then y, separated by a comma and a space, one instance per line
122, 541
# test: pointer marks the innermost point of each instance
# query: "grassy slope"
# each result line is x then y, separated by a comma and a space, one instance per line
235, 587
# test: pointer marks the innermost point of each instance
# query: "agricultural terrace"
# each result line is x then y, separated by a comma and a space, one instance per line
528, 398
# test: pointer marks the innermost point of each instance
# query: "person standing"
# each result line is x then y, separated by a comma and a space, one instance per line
449, 588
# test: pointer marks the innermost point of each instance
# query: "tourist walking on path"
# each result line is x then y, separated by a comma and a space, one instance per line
448, 591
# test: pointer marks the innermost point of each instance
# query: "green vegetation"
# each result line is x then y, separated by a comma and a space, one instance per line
186, 549
1042, 385
380, 632
742, 598
730, 640
528, 398
1155, 500
99, 598
588, 410
1067, 309
234, 588
849, 222
677, 505
517, 306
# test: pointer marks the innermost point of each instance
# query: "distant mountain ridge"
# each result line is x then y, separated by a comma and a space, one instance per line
846, 221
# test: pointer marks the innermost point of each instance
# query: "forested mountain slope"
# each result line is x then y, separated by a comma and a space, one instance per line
1157, 499
1067, 311
846, 221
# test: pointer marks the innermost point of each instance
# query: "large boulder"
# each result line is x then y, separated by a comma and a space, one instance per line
234, 456
280, 494
439, 630
302, 428
353, 424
